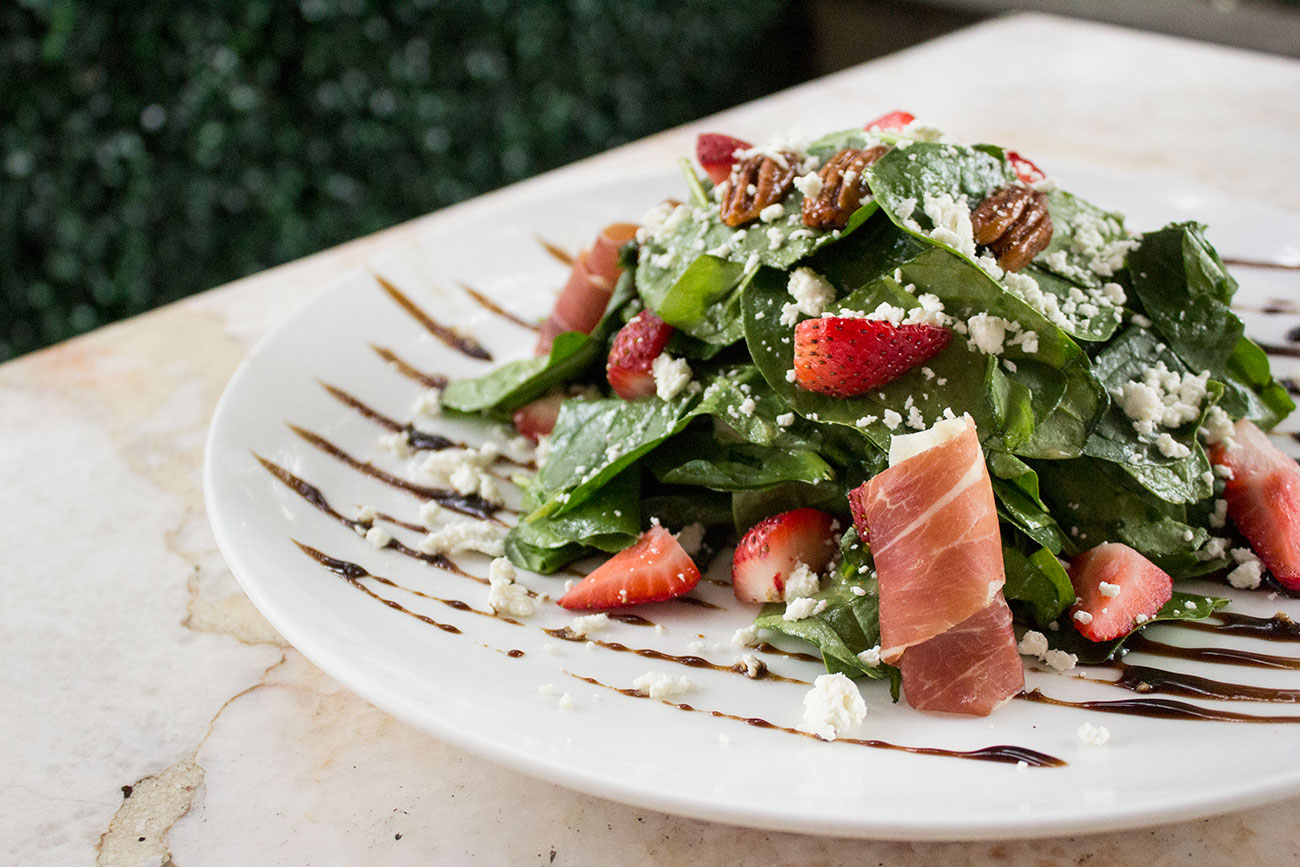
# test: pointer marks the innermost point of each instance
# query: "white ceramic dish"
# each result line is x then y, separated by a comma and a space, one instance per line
459, 688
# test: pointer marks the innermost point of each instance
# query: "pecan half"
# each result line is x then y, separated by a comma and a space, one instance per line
756, 183
1014, 222
844, 186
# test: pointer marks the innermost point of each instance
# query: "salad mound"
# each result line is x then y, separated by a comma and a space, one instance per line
836, 320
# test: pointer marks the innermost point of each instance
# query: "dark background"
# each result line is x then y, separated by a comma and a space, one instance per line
153, 150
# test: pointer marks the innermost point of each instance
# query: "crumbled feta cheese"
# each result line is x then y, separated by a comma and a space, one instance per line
1110, 591
504, 595
429, 512
753, 666
671, 375
987, 333
1059, 660
398, 443
746, 637
810, 185
656, 684
747, 406
785, 419
566, 702
789, 316
1170, 447
1083, 618
584, 626
378, 537
367, 514
1162, 398
832, 707
1033, 644
803, 607
892, 419
1218, 427
429, 403
866, 421
810, 291
801, 582
1249, 571
952, 225
690, 538
772, 212
871, 656
1093, 736
465, 536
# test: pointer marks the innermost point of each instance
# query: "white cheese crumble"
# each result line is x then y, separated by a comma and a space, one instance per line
785, 419
671, 375
987, 333
429, 403
1093, 736
754, 667
746, 637
566, 702
504, 595
584, 626
892, 419
803, 607
1218, 427
810, 291
802, 582
772, 213
378, 537
1162, 398
656, 684
367, 514
1249, 570
1170, 447
1082, 617
832, 707
1059, 660
952, 225
429, 512
465, 536
1110, 591
810, 185
1033, 644
871, 656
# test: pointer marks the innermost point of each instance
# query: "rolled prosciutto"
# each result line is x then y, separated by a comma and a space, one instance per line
933, 528
591, 282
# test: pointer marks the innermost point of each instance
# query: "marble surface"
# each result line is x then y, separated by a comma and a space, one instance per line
151, 716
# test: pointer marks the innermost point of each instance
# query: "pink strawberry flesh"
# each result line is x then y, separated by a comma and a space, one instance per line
537, 418
848, 356
772, 549
631, 357
1263, 499
1143, 589
653, 569
894, 120
716, 154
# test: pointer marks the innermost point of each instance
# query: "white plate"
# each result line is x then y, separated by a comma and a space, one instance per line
459, 688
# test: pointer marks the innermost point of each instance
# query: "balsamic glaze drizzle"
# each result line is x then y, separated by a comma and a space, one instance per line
449, 336
428, 380
493, 307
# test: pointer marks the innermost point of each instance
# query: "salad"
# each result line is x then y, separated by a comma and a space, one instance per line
948, 412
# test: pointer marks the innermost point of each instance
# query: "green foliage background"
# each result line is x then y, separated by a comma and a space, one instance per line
152, 150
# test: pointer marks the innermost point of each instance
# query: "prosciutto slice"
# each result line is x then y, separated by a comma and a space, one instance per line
973, 668
933, 529
932, 524
591, 282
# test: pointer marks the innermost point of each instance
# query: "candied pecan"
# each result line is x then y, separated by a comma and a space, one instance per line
1014, 222
756, 183
844, 186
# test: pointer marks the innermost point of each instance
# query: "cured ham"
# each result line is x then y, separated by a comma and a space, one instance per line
932, 524
1263, 494
973, 668
591, 281
933, 528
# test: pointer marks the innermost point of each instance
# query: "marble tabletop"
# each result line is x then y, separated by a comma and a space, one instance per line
151, 716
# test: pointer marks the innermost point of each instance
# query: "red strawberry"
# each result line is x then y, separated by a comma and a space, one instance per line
893, 120
715, 154
653, 569
538, 418
635, 348
848, 356
1264, 499
1025, 169
773, 547
1142, 590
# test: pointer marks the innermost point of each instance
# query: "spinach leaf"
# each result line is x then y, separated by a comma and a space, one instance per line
1095, 328
1036, 583
697, 458
1098, 502
905, 175
1088, 243
750, 507
1097, 652
690, 302
1180, 480
710, 508
849, 624
609, 520
1015, 486
542, 560
573, 355
1251, 391
868, 254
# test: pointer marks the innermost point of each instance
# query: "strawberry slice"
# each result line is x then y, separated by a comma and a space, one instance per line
1263, 499
537, 418
1117, 590
1025, 168
653, 569
847, 356
591, 281
716, 154
774, 546
893, 120
635, 347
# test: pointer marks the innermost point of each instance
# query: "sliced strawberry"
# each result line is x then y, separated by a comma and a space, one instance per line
893, 120
538, 418
591, 281
848, 356
1142, 590
772, 549
635, 348
1263, 499
653, 569
716, 154
1025, 168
